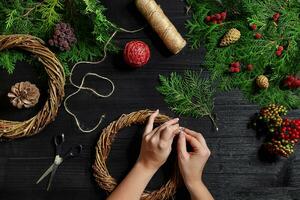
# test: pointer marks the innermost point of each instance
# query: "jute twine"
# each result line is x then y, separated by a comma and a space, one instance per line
34, 45
103, 147
161, 25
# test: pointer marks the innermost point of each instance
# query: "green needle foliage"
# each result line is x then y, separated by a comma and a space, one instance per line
188, 94
241, 14
38, 18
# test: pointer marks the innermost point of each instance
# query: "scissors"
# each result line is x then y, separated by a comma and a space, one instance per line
60, 157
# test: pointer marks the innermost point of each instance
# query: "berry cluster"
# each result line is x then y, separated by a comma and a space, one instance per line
283, 135
292, 82
254, 28
280, 147
279, 51
290, 130
63, 36
235, 67
276, 17
216, 18
271, 115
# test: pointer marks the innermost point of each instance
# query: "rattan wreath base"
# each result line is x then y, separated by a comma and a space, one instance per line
101, 173
54, 69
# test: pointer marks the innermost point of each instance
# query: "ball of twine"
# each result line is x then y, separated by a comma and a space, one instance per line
34, 45
101, 173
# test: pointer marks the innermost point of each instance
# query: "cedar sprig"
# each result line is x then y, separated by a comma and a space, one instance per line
188, 94
248, 50
37, 18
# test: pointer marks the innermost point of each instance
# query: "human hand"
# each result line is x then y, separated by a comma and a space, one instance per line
157, 143
191, 164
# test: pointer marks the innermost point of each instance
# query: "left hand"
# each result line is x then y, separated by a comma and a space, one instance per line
157, 143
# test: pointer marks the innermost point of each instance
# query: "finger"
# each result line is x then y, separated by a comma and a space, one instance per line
196, 135
149, 126
168, 123
181, 147
169, 132
196, 145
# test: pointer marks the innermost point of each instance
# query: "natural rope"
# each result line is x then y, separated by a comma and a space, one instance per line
16, 129
81, 87
101, 173
161, 25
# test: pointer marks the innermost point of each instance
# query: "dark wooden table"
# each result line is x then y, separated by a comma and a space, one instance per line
234, 170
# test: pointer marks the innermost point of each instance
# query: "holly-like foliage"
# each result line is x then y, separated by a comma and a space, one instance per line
38, 18
261, 53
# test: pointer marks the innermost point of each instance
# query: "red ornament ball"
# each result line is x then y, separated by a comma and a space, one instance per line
136, 53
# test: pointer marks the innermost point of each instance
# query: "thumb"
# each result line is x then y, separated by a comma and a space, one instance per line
181, 147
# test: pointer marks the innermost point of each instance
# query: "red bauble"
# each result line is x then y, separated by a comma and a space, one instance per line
136, 53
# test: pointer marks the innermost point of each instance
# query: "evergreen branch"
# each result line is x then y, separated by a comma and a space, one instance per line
248, 50
188, 94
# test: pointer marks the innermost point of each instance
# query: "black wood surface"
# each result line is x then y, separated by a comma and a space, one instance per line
234, 171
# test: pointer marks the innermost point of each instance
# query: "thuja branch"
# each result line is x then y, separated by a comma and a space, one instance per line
188, 94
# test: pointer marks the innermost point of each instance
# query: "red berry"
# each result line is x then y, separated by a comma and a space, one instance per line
208, 18
250, 67
213, 17
253, 27
276, 17
278, 53
237, 69
280, 48
258, 36
235, 64
232, 69
214, 21
223, 15
218, 16
219, 21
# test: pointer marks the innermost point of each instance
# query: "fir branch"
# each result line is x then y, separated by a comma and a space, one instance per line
248, 50
189, 95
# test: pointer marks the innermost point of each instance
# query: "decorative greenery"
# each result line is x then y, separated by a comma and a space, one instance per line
261, 53
189, 95
38, 18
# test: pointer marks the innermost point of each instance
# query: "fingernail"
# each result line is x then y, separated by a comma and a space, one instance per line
177, 119
157, 110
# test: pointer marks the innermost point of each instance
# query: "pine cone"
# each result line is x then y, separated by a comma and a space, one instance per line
24, 94
232, 36
262, 82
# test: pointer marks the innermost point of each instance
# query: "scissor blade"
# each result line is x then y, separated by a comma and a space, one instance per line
46, 173
51, 177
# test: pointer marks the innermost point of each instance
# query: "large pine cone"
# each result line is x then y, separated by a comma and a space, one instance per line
24, 94
232, 36
262, 82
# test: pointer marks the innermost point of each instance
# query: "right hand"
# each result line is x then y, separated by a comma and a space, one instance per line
191, 164
157, 143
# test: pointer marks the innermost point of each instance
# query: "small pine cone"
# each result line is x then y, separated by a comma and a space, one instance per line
232, 36
24, 94
262, 82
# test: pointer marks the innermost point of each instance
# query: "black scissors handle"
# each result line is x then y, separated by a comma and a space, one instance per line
58, 141
73, 152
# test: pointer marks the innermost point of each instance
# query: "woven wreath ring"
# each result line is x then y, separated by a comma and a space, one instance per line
56, 82
101, 173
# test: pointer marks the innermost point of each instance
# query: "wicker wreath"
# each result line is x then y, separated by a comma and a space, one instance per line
101, 173
16, 129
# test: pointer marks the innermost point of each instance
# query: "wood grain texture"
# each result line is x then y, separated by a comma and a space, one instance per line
234, 171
